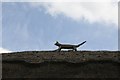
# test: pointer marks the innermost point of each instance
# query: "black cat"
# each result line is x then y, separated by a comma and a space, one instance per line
68, 46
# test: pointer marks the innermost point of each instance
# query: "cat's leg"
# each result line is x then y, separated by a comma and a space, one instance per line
75, 49
59, 49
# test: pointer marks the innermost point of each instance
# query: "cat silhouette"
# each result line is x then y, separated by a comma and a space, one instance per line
68, 46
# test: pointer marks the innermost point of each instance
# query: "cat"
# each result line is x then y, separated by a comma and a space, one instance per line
68, 46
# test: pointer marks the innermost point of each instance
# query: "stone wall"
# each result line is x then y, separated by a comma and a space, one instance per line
46, 64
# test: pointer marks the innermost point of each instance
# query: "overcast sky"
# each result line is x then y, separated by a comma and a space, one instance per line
37, 25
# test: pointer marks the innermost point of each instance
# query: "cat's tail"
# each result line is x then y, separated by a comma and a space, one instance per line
80, 44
